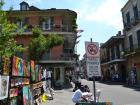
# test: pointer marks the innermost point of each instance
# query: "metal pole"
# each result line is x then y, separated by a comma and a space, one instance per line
94, 89
94, 86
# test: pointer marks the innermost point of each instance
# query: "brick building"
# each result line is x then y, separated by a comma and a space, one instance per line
60, 58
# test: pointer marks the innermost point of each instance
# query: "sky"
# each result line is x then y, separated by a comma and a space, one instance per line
100, 19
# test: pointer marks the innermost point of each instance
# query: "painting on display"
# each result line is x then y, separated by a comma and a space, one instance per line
25, 81
26, 68
31, 96
39, 73
13, 101
26, 95
4, 85
13, 92
6, 65
17, 67
12, 82
36, 72
32, 70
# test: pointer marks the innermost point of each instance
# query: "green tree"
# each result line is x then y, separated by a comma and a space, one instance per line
8, 45
40, 44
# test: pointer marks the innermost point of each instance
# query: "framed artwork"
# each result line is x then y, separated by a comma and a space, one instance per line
32, 70
13, 101
4, 86
40, 73
6, 65
30, 97
29, 68
17, 66
25, 81
26, 95
36, 72
25, 68
13, 92
12, 82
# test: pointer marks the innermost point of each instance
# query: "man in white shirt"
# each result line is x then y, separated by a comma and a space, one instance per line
78, 95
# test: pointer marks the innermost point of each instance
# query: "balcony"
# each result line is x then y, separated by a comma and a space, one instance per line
63, 58
133, 22
132, 50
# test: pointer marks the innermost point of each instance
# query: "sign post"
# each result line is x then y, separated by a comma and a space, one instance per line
92, 52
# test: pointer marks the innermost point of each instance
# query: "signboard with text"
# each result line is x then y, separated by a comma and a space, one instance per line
93, 67
93, 59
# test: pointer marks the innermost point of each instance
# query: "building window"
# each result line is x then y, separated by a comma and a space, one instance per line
46, 24
131, 42
136, 15
138, 37
128, 18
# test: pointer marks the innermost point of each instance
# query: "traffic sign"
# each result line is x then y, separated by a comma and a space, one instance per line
92, 49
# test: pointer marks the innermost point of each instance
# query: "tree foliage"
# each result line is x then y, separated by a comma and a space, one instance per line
8, 45
40, 44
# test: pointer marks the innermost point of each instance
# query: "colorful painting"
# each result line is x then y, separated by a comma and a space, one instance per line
25, 81
4, 85
26, 68
30, 97
12, 82
36, 72
26, 95
17, 69
13, 101
6, 65
13, 92
18, 81
39, 73
32, 70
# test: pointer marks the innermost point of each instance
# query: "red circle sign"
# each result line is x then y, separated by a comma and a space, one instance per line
92, 49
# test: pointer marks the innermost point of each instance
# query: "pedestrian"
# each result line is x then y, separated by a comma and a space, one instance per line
79, 95
132, 75
135, 73
86, 88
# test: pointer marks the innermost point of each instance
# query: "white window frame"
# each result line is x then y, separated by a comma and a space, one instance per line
47, 21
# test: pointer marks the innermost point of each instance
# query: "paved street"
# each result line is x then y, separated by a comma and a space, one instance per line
61, 97
119, 94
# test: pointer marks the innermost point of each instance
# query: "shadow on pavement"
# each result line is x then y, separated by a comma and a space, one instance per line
135, 87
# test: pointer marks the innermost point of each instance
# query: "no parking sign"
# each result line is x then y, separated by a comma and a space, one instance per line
92, 49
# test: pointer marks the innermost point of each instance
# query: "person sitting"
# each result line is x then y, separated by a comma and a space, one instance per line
86, 88
79, 95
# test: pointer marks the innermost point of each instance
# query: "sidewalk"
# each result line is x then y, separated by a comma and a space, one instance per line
61, 97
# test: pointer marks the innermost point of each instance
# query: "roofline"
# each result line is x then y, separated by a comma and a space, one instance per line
48, 10
125, 5
113, 37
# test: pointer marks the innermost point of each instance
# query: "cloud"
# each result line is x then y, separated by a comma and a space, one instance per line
107, 12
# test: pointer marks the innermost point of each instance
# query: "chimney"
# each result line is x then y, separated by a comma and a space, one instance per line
119, 33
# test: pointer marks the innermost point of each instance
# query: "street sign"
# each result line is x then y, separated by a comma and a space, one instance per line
92, 49
93, 67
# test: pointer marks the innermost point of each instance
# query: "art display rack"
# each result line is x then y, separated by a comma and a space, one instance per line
24, 81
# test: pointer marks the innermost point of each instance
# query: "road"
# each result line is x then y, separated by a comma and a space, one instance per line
118, 94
